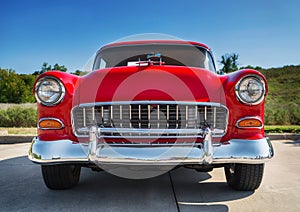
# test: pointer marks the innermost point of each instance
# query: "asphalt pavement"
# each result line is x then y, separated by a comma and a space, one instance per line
22, 187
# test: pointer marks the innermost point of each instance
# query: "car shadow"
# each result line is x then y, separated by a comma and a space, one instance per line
23, 188
295, 143
202, 191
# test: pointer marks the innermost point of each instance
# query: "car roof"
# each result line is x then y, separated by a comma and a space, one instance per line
140, 42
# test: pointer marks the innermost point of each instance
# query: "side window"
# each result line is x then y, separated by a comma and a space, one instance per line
96, 63
102, 63
99, 63
210, 62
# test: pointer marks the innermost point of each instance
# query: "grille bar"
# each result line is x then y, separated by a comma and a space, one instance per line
150, 119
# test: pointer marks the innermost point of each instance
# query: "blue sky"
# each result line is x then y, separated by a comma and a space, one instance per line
68, 32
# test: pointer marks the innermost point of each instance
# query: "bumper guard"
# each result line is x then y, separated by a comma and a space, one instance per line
235, 151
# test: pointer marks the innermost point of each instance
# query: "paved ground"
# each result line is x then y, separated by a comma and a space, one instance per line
22, 188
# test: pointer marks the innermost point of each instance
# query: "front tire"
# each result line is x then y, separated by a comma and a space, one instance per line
62, 176
244, 177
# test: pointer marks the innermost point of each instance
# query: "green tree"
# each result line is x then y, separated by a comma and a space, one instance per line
79, 73
46, 67
229, 62
57, 67
29, 80
251, 67
14, 88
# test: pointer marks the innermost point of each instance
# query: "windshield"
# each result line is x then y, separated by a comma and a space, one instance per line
167, 54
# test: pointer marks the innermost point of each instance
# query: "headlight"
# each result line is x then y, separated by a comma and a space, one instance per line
250, 89
49, 91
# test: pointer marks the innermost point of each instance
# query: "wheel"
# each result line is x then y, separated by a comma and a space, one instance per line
244, 177
63, 176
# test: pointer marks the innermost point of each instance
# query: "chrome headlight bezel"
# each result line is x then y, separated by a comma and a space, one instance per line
57, 95
247, 96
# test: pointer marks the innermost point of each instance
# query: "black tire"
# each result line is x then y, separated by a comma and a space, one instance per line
63, 176
244, 177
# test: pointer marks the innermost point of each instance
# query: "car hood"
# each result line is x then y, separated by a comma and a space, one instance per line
151, 83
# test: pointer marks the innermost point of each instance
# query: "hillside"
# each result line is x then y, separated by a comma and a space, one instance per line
283, 101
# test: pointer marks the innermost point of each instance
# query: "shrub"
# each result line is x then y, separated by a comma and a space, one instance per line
18, 117
282, 114
294, 115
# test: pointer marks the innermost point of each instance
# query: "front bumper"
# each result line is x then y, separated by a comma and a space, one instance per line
235, 151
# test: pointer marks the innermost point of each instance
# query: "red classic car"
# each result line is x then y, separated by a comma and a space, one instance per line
151, 105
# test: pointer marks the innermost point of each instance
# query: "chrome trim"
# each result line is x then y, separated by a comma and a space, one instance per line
66, 151
84, 117
93, 140
238, 85
58, 151
237, 151
144, 133
151, 144
208, 146
186, 103
250, 117
214, 104
150, 131
50, 118
62, 96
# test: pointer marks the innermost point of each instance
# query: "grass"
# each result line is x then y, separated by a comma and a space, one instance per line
19, 131
4, 106
282, 129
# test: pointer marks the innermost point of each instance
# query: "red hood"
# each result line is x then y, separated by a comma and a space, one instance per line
163, 83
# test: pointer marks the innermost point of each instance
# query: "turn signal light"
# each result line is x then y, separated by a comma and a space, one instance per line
249, 123
50, 124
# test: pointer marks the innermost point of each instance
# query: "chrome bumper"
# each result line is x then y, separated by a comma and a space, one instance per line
236, 151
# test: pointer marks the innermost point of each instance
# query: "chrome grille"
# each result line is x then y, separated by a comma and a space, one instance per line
150, 119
